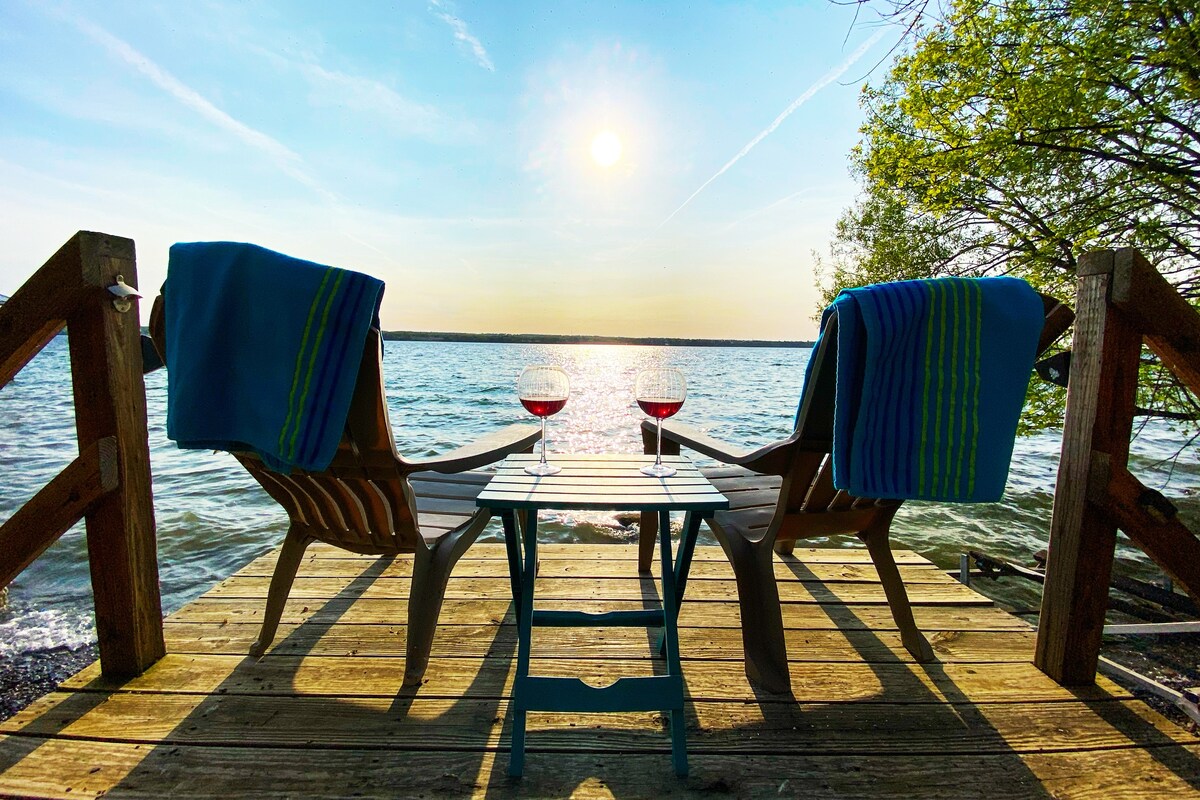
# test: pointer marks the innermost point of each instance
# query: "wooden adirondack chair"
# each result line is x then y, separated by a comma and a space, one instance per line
784, 492
372, 500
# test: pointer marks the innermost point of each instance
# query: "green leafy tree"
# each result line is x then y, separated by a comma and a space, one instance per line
1010, 136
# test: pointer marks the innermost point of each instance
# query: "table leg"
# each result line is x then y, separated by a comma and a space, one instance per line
687, 547
516, 759
512, 546
671, 643
683, 564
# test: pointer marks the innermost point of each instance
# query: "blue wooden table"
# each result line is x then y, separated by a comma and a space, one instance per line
602, 483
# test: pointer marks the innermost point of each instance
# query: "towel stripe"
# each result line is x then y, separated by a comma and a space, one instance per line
960, 395
292, 410
937, 398
312, 359
877, 402
328, 357
910, 347
953, 367
970, 380
924, 449
950, 390
975, 402
889, 461
332, 360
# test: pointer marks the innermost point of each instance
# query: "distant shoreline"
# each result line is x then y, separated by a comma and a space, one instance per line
554, 338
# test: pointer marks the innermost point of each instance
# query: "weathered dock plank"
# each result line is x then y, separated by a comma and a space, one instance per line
819, 571
384, 611
355, 676
325, 714
72, 769
605, 588
831, 646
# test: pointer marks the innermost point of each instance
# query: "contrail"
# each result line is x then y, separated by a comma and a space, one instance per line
827, 79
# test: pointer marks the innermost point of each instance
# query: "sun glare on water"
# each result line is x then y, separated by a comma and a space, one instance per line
606, 148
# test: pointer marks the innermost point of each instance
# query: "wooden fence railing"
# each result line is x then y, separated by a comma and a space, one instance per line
1121, 301
108, 485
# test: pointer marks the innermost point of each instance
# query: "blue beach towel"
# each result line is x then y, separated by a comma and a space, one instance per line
263, 351
931, 379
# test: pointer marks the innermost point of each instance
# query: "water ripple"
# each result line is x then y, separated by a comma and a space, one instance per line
213, 518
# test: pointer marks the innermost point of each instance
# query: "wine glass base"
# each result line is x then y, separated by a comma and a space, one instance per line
543, 468
658, 470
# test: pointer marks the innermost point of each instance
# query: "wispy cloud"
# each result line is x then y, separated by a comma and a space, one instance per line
461, 34
367, 95
763, 210
825, 80
289, 162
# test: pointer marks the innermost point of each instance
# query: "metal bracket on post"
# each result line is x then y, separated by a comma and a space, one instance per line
122, 292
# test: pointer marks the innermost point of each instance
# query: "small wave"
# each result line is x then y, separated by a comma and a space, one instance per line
213, 518
24, 630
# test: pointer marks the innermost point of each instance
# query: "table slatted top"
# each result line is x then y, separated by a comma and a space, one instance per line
600, 483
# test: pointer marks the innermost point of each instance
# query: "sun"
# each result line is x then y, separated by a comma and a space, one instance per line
606, 148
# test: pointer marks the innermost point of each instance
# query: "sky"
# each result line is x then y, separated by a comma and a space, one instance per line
617, 168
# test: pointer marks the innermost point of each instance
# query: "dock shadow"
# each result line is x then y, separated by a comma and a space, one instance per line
925, 710
286, 717
590, 765
18, 746
1168, 752
957, 706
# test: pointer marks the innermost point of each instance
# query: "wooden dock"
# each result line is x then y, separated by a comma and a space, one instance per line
324, 714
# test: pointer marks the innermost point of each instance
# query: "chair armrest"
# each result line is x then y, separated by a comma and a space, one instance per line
771, 459
1059, 317
481, 452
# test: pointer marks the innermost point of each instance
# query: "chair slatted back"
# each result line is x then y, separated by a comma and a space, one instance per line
362, 502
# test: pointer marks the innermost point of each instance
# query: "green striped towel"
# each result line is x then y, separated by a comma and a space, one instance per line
931, 379
263, 351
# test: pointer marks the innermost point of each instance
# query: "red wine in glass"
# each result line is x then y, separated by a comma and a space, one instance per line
543, 406
660, 408
543, 390
660, 393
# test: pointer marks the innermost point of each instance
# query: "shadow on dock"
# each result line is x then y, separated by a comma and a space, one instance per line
325, 714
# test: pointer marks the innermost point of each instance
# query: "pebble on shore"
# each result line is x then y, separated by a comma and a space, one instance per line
27, 676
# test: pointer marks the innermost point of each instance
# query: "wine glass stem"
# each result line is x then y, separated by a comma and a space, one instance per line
658, 447
543, 440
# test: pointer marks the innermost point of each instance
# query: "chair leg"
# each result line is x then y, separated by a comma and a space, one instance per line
648, 530
785, 547
762, 618
294, 545
876, 539
431, 572
647, 534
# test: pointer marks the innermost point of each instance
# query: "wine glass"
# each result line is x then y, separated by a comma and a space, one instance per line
660, 393
543, 390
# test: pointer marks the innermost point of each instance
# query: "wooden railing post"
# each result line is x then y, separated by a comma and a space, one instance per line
1097, 427
110, 401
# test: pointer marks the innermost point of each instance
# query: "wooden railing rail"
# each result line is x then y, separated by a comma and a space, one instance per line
1121, 301
108, 485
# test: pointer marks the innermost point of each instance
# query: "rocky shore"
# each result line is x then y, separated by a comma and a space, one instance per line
26, 677
1172, 660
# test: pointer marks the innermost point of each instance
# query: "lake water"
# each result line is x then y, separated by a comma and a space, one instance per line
212, 517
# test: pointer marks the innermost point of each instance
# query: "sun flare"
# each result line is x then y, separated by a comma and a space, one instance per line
606, 148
